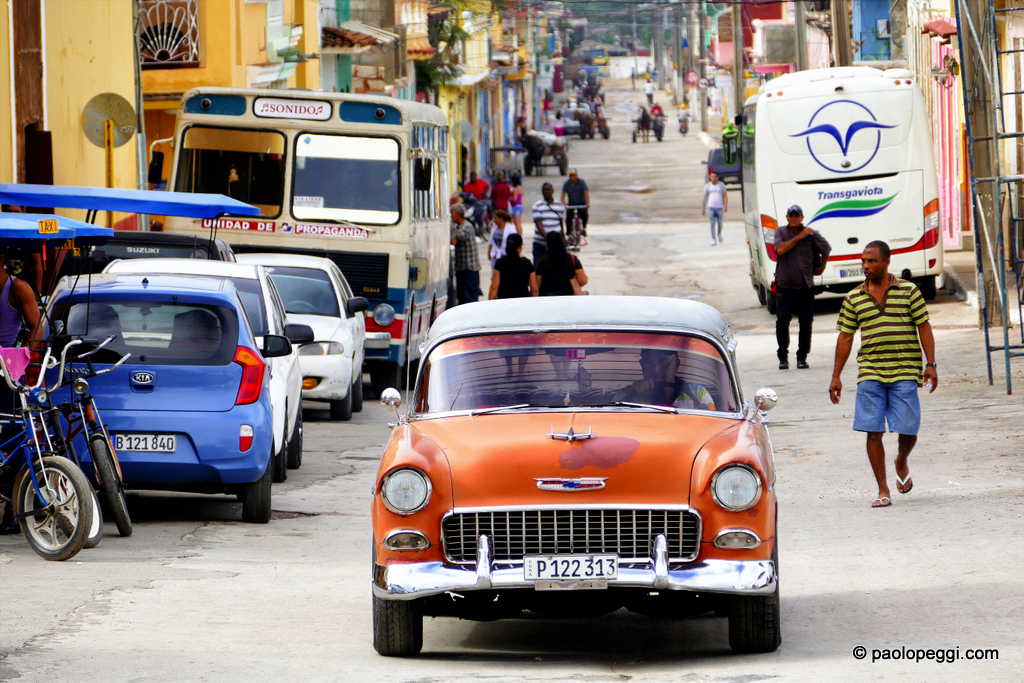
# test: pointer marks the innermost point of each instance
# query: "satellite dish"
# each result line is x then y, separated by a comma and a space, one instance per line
108, 106
463, 131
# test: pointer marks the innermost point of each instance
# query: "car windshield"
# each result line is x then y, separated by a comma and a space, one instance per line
347, 178
576, 369
305, 291
247, 165
156, 333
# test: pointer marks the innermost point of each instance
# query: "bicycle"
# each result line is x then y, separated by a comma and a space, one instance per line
52, 499
81, 414
574, 237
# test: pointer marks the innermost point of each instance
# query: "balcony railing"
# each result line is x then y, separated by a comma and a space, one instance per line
169, 33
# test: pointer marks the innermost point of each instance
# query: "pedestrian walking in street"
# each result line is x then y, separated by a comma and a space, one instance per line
547, 217
467, 260
649, 90
714, 205
513, 273
516, 202
559, 272
501, 227
575, 193
547, 106
501, 192
893, 322
632, 77
802, 254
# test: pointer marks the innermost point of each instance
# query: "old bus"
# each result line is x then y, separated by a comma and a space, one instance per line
852, 147
359, 179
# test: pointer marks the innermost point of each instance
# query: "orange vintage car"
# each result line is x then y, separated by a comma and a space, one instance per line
573, 456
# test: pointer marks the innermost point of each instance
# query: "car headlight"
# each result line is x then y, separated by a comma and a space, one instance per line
405, 491
383, 315
321, 349
736, 487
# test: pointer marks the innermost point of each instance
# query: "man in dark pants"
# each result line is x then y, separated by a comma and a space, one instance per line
794, 277
467, 261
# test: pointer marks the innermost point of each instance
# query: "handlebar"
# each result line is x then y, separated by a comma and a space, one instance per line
14, 385
113, 367
576, 206
98, 346
93, 373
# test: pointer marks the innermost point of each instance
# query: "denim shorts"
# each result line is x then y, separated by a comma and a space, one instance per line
894, 402
517, 209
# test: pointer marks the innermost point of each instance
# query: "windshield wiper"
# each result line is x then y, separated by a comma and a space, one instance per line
354, 225
649, 406
517, 406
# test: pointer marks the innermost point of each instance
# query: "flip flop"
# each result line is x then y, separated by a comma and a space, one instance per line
886, 504
903, 482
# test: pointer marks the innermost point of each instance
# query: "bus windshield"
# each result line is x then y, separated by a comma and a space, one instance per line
247, 165
347, 178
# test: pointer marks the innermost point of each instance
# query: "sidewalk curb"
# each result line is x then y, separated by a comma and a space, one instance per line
708, 141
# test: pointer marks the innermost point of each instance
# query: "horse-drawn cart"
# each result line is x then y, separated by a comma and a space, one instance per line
545, 149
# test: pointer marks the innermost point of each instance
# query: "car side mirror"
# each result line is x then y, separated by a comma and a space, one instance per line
298, 334
276, 345
765, 398
704, 161
356, 304
156, 168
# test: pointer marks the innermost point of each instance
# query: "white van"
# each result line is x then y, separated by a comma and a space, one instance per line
852, 147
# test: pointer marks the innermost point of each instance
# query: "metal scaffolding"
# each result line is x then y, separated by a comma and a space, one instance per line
997, 198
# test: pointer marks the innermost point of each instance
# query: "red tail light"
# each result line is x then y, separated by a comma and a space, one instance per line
252, 376
245, 438
931, 238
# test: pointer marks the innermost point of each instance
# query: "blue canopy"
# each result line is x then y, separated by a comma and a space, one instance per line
26, 229
187, 204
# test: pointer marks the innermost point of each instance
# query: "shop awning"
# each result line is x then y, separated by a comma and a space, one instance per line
940, 28
188, 204
353, 37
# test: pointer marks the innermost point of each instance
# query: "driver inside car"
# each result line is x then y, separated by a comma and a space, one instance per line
660, 386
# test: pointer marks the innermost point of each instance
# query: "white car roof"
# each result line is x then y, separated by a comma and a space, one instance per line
184, 266
294, 260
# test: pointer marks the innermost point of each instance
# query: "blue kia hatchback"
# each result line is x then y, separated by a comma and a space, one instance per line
190, 410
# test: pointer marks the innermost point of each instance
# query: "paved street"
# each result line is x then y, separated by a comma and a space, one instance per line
197, 595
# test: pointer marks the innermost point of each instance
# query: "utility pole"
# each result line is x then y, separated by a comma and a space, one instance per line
636, 47
801, 35
739, 83
841, 33
677, 56
702, 66
897, 29
691, 55
656, 39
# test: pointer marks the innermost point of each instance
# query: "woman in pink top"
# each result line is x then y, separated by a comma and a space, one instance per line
516, 203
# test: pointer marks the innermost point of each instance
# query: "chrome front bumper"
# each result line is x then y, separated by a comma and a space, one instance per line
412, 580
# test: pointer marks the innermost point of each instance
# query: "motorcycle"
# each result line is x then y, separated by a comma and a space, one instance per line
684, 124
477, 213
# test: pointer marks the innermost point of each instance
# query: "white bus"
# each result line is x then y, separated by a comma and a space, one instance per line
852, 147
359, 179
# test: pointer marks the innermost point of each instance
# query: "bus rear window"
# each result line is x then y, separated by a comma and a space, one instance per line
247, 165
346, 178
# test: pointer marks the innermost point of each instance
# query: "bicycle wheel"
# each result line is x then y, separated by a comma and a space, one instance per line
96, 526
60, 528
110, 482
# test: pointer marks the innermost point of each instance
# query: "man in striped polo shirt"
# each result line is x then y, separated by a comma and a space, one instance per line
893, 323
547, 217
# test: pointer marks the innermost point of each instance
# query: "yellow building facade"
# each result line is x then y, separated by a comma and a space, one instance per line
86, 49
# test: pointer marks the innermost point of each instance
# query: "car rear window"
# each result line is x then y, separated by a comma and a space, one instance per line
305, 291
114, 250
574, 370
251, 294
156, 333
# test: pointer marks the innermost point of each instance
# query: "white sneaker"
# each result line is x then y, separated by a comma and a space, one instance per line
721, 239
714, 243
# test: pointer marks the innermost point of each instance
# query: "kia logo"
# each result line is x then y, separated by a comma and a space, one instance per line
143, 377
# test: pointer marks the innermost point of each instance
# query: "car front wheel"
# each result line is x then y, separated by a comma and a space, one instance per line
357, 394
397, 627
342, 410
755, 622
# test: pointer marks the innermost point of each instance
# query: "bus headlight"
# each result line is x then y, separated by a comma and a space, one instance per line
383, 315
405, 491
736, 487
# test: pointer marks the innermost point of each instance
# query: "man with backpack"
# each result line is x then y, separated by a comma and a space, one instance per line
802, 254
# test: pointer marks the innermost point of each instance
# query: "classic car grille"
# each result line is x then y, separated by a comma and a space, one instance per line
515, 533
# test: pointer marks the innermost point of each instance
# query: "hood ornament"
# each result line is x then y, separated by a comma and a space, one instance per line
582, 484
572, 436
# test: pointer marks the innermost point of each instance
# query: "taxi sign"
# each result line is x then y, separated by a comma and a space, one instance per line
48, 226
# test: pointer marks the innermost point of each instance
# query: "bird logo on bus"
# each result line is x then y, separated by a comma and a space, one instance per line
821, 133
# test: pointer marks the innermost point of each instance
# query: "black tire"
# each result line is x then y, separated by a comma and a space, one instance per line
772, 302
342, 410
56, 533
295, 444
563, 165
634, 137
927, 287
606, 132
762, 295
256, 497
755, 623
397, 627
660, 133
280, 462
357, 394
528, 165
96, 527
110, 483
383, 376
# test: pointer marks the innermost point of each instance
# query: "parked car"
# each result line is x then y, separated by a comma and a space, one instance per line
315, 293
730, 175
190, 410
266, 314
573, 456
129, 244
